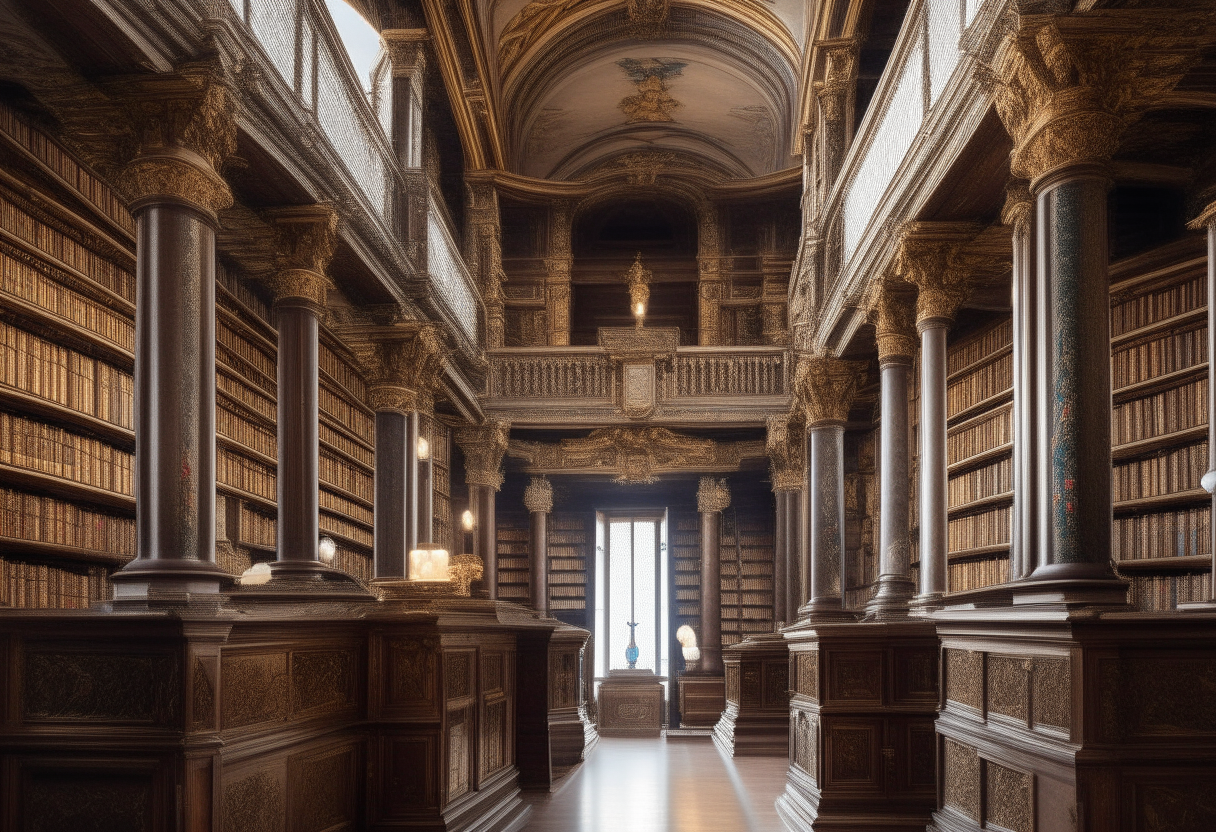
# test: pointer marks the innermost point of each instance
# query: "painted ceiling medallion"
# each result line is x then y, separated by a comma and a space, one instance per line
653, 101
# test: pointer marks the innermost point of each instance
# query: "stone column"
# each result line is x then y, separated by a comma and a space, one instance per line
931, 255
787, 462
835, 96
392, 406
483, 448
826, 387
557, 273
174, 190
1025, 538
305, 243
709, 276
538, 498
1207, 221
893, 314
399, 91
713, 497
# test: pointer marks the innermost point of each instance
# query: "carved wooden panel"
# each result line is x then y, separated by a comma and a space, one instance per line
1053, 692
806, 672
460, 753
57, 799
202, 693
852, 752
412, 763
961, 778
776, 684
631, 709
964, 677
732, 683
922, 747
256, 802
492, 678
1007, 796
856, 676
750, 685
411, 674
457, 674
254, 688
916, 675
324, 788
1009, 686
69, 685
806, 742
322, 681
1149, 697
563, 679
494, 738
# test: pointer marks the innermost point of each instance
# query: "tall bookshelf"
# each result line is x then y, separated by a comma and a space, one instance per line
684, 540
569, 536
67, 289
861, 519
746, 556
439, 436
979, 456
512, 548
1161, 538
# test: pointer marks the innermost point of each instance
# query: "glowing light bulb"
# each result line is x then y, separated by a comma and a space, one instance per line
467, 521
424, 448
639, 310
326, 549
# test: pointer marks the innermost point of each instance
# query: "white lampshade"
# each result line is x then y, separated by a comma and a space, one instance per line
326, 549
429, 562
467, 520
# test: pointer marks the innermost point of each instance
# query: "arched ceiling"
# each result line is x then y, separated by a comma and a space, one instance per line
708, 84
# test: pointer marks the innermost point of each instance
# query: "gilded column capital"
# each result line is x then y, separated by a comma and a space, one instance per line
406, 50
785, 446
1068, 85
712, 495
484, 447
1019, 206
839, 77
826, 386
406, 369
1206, 218
304, 239
538, 496
931, 256
185, 128
892, 310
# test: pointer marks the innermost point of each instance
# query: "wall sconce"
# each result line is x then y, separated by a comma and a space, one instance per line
467, 521
638, 277
424, 448
429, 562
326, 550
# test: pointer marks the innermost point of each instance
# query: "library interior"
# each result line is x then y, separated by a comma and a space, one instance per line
502, 415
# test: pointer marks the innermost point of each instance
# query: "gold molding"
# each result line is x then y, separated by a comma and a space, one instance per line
484, 446
713, 495
825, 387
785, 444
538, 496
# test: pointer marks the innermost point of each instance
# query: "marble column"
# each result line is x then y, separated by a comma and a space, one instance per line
305, 242
787, 464
538, 499
713, 497
1207, 221
484, 447
826, 387
558, 266
1025, 538
893, 315
174, 191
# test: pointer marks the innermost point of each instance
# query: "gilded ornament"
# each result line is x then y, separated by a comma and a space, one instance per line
893, 313
298, 285
931, 256
538, 496
784, 446
1019, 206
175, 176
463, 570
405, 368
483, 447
826, 387
305, 236
712, 495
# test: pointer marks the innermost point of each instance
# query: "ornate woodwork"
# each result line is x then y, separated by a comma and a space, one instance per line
756, 720
631, 704
702, 700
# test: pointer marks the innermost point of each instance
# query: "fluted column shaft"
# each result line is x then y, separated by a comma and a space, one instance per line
781, 554
486, 498
1028, 325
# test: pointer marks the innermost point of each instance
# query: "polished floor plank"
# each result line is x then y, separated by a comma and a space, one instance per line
652, 785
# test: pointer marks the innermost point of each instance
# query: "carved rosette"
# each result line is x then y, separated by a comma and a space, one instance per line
483, 447
1068, 85
826, 387
712, 495
304, 240
785, 447
893, 313
186, 129
538, 496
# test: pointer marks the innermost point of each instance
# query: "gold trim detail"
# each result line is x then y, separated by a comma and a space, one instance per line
538, 496
484, 447
713, 495
785, 445
825, 387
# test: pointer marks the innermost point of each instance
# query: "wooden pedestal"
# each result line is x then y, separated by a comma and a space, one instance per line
568, 723
861, 727
1055, 721
631, 704
702, 700
756, 721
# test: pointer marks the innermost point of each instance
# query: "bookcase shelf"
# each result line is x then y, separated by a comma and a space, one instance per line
569, 537
1152, 564
1154, 444
1180, 498
20, 401
1160, 383
68, 489
32, 548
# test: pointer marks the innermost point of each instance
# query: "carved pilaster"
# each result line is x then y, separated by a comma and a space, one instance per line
713, 495
709, 276
826, 386
483, 448
893, 312
785, 446
538, 496
557, 273
834, 95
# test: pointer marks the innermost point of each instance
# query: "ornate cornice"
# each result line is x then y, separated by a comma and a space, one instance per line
785, 445
538, 496
826, 386
633, 454
1068, 85
483, 448
713, 495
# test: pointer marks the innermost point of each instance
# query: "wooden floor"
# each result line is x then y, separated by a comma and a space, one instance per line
654, 785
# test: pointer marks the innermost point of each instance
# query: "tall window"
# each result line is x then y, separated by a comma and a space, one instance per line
631, 588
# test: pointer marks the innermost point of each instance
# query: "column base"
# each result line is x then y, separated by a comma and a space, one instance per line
927, 602
1072, 584
825, 610
893, 600
303, 580
164, 580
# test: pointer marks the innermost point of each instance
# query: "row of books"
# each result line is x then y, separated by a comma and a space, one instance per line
983, 383
512, 549
755, 567
250, 353
37, 446
566, 564
239, 389
975, 574
561, 603
517, 592
39, 586
342, 527
244, 474
1158, 305
519, 534
988, 528
229, 284
511, 563
358, 565
1182, 533
341, 474
562, 591
687, 580
1168, 354
747, 541
567, 577
564, 551
252, 435
347, 414
357, 451
47, 520
979, 483
21, 280
65, 166
750, 599
1170, 472
754, 613
1158, 593
685, 539
61, 249
980, 436
341, 371
688, 610
563, 538
563, 522
68, 378
356, 512
1171, 410
256, 528
968, 351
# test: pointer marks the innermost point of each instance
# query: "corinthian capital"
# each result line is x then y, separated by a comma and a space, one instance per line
932, 257
538, 496
892, 310
712, 495
405, 369
304, 238
483, 447
826, 387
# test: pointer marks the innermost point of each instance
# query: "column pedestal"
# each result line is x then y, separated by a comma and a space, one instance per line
756, 721
702, 700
